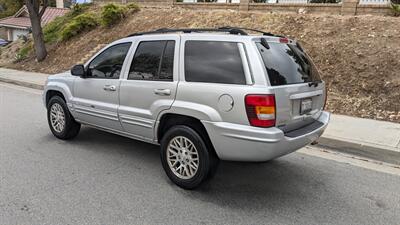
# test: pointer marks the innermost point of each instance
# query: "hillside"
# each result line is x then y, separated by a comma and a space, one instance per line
359, 57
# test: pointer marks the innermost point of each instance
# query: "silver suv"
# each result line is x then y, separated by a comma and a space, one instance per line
203, 95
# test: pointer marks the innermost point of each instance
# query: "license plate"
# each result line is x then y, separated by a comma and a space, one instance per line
305, 106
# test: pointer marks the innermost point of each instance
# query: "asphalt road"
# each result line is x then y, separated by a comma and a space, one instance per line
100, 178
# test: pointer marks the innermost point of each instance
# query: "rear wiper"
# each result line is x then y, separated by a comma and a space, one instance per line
315, 83
264, 43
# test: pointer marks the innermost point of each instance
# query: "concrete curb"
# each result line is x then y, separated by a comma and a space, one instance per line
379, 153
22, 83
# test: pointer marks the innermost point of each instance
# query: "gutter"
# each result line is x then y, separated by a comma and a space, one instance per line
14, 26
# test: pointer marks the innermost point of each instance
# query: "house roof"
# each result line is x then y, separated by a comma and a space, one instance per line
21, 18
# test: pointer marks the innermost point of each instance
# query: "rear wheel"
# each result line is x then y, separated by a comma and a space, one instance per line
61, 122
185, 157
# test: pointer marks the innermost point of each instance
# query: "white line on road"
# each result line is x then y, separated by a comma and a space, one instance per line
351, 160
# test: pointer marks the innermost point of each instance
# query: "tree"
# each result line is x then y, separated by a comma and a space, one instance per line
10, 7
36, 9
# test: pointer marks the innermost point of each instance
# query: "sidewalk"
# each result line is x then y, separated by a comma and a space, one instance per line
23, 78
368, 138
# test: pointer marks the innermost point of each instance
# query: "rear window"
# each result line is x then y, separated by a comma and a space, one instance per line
213, 62
287, 64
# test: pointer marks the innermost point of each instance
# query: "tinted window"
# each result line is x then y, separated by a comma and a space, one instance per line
108, 64
153, 60
213, 62
167, 62
287, 64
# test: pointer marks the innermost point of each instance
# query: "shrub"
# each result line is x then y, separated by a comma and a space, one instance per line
112, 14
10, 7
52, 30
23, 52
395, 5
78, 9
77, 25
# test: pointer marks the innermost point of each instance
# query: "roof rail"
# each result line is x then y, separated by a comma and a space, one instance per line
264, 33
190, 30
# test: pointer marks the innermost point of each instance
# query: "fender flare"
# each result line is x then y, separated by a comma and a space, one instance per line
60, 87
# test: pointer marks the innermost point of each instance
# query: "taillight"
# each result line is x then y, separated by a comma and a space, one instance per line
284, 40
260, 110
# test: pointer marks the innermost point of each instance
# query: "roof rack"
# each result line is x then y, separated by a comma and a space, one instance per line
227, 29
264, 33
191, 30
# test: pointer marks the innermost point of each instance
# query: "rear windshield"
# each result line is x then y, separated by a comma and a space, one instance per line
287, 64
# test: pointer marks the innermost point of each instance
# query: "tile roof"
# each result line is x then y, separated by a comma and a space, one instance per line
21, 20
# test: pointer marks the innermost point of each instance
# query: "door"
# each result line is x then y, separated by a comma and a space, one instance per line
16, 33
299, 91
96, 95
150, 84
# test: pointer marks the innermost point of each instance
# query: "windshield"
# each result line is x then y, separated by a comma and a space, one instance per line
287, 64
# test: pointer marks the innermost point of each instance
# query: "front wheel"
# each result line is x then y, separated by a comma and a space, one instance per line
61, 122
185, 157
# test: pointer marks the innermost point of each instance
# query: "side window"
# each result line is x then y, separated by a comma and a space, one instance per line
153, 60
108, 64
213, 62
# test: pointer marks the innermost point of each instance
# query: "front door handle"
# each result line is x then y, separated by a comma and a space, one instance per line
109, 88
162, 92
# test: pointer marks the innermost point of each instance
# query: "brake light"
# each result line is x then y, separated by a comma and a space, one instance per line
260, 110
284, 40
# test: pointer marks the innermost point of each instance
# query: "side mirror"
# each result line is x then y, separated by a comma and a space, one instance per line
78, 70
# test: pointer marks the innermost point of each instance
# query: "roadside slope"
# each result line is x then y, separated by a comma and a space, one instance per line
359, 57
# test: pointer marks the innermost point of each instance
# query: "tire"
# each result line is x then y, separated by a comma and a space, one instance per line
67, 127
180, 165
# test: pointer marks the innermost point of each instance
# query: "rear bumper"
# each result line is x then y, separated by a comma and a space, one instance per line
246, 143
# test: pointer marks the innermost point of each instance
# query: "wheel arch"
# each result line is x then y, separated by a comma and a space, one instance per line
52, 93
168, 120
58, 89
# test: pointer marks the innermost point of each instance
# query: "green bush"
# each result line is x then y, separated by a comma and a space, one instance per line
78, 9
10, 7
52, 30
395, 5
82, 18
112, 14
77, 25
23, 52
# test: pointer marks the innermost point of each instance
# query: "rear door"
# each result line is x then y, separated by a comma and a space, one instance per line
150, 85
293, 77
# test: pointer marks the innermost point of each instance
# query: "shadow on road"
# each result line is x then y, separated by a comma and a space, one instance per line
286, 182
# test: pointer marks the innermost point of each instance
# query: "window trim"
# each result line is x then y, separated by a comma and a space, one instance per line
246, 66
101, 52
243, 58
159, 64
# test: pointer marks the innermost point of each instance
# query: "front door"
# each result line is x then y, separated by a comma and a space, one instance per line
96, 95
150, 84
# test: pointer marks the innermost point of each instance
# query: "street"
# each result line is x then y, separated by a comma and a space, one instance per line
101, 178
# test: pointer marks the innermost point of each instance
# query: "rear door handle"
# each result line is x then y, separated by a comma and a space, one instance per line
109, 88
162, 92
